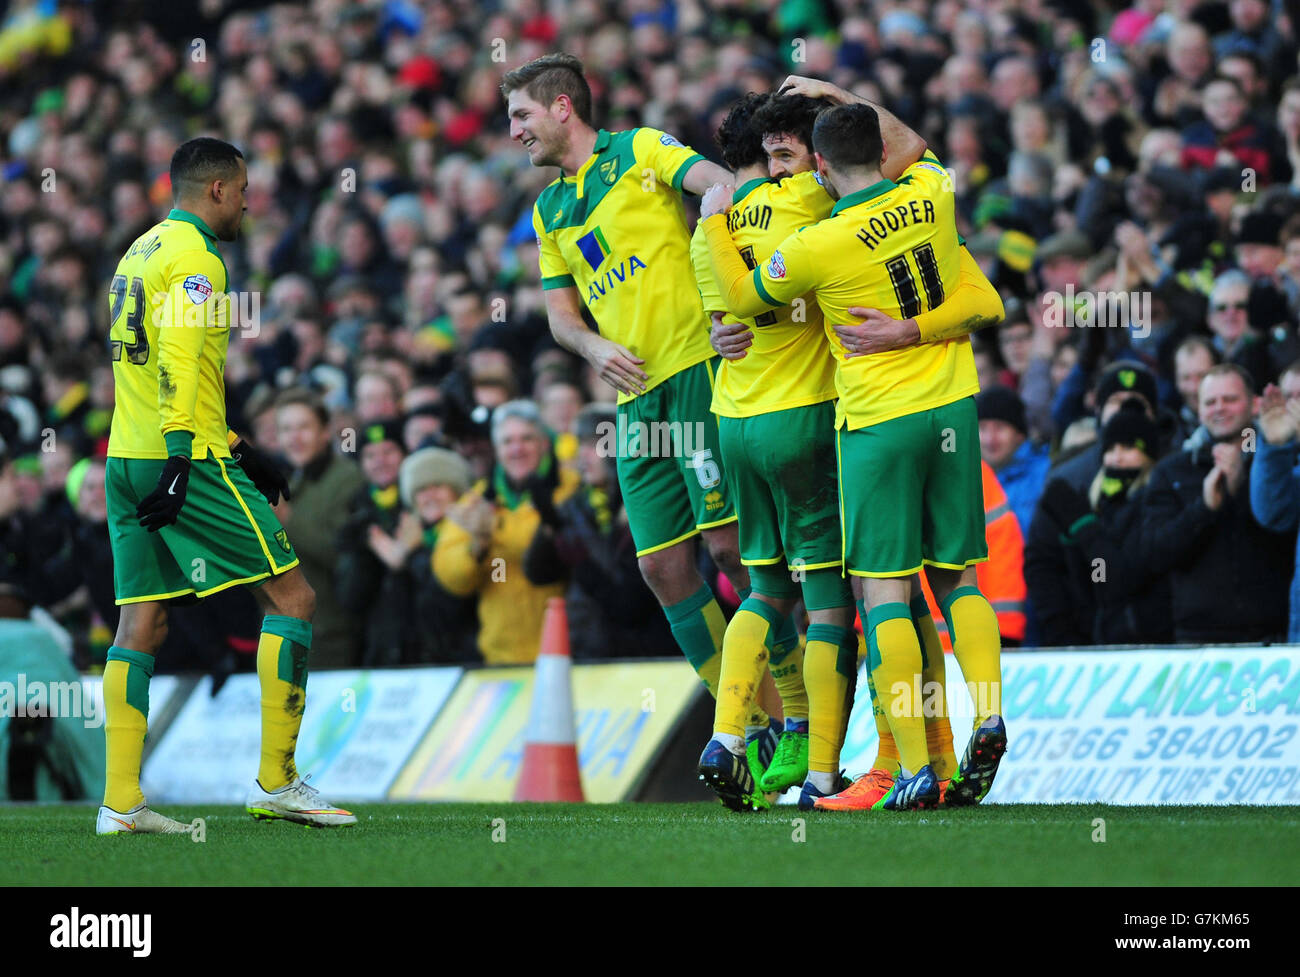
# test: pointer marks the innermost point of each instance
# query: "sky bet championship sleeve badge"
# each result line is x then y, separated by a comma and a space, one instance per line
668, 140
776, 265
198, 288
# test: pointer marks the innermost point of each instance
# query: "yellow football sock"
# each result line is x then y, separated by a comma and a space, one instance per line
886, 749
830, 665
282, 673
746, 647
896, 656
977, 644
126, 720
938, 731
787, 665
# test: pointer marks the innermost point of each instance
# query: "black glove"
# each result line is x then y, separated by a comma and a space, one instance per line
539, 492
162, 506
261, 470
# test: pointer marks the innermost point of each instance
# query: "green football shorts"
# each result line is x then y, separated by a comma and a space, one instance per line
912, 494
669, 463
227, 533
781, 468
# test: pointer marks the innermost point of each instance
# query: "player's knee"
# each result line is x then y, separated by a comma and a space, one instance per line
300, 602
726, 555
141, 631
654, 570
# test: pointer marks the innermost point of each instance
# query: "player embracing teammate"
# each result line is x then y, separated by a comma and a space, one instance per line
906, 435
612, 236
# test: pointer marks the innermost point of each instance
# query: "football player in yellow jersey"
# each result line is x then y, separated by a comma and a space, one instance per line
775, 411
184, 521
612, 236
758, 361
908, 452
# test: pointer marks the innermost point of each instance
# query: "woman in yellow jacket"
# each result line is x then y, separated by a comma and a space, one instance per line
481, 546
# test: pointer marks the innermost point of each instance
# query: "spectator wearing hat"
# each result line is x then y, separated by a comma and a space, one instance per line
446, 626
586, 541
1087, 581
320, 482
1275, 482
1115, 384
480, 549
1229, 573
1258, 249
1020, 464
375, 590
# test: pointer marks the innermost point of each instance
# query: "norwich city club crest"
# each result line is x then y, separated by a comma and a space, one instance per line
1127, 378
282, 537
609, 172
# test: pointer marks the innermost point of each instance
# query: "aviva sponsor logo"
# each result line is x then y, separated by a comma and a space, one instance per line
595, 250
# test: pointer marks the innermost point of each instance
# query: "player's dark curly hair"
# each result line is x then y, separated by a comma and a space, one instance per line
196, 163
740, 142
790, 115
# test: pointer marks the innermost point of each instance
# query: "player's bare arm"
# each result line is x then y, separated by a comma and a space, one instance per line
615, 364
904, 145
703, 175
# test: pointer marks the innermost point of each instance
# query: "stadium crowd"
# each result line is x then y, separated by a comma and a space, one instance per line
1130, 178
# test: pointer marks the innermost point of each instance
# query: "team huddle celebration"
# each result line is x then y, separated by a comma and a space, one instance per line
837, 457
812, 345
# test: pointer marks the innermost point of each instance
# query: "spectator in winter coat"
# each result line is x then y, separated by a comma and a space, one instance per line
446, 628
320, 484
1089, 584
1119, 382
481, 547
586, 540
1229, 574
1020, 464
374, 590
1275, 482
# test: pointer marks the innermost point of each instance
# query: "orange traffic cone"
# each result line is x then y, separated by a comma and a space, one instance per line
550, 770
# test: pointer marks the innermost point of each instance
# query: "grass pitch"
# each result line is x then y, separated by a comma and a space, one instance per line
668, 844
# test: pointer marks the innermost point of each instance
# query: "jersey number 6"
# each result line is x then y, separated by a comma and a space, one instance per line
137, 349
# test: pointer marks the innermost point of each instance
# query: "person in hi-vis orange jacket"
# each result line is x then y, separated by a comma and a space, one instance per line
1002, 577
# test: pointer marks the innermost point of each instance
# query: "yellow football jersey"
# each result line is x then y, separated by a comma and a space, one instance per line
789, 364
617, 232
891, 246
168, 332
